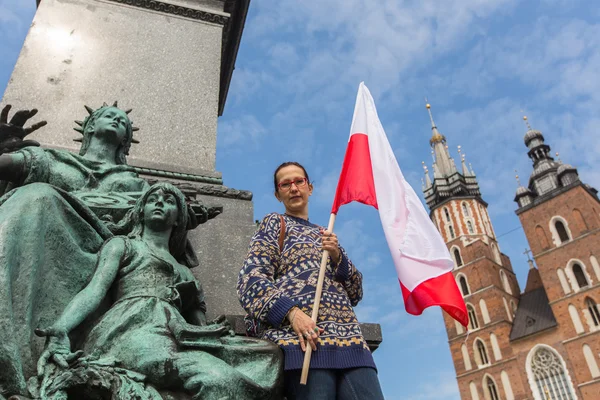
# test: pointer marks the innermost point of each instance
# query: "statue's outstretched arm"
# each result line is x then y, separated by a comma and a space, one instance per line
12, 135
58, 348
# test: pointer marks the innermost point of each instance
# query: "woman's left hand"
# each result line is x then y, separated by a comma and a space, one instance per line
330, 243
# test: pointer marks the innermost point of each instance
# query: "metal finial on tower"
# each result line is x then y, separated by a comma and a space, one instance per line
428, 106
517, 178
527, 122
558, 157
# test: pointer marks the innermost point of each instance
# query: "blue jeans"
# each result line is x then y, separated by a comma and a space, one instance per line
334, 384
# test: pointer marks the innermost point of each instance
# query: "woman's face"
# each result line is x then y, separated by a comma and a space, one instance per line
293, 189
160, 210
111, 125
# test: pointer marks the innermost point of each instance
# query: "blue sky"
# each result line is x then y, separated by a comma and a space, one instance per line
479, 62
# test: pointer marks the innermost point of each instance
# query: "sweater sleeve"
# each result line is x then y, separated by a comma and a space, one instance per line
350, 277
255, 288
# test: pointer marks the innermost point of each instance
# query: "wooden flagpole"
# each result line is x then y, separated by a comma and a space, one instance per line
315, 311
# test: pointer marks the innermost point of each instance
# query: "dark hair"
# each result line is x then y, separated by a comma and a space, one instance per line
88, 130
287, 164
132, 224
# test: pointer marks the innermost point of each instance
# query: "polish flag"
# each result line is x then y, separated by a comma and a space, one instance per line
371, 175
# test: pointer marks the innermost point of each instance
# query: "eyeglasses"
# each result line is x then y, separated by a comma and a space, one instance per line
299, 182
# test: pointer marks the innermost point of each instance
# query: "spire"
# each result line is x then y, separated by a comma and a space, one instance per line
465, 170
427, 179
444, 163
436, 136
448, 181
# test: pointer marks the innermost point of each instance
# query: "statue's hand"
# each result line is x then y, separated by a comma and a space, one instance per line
12, 133
223, 325
57, 349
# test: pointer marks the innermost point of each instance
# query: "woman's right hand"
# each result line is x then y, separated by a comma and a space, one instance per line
57, 349
305, 328
12, 134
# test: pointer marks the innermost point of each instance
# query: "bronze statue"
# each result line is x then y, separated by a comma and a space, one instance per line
156, 325
59, 215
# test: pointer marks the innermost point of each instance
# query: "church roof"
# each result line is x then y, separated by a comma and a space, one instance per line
534, 280
533, 314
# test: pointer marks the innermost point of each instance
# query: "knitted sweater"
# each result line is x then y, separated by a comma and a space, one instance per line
272, 282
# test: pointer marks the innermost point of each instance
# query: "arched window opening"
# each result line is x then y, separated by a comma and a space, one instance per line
541, 237
548, 375
513, 307
463, 285
470, 227
451, 229
473, 324
473, 388
492, 390
562, 231
466, 358
507, 386
580, 276
447, 214
575, 319
505, 283
457, 257
496, 253
563, 281
594, 312
465, 209
590, 359
482, 352
578, 217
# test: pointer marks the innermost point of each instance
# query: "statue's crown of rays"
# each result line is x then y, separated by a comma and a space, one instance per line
90, 110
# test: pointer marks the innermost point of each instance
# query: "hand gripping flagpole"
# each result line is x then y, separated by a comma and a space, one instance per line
315, 310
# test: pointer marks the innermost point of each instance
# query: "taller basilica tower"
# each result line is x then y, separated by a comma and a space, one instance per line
543, 343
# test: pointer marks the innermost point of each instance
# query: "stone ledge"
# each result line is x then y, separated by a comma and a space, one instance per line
371, 332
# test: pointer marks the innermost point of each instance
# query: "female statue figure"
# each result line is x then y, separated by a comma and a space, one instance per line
156, 324
49, 237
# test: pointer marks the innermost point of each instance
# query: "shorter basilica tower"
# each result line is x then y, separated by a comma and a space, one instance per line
557, 326
484, 362
543, 343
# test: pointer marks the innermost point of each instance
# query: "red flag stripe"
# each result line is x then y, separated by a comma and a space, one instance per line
439, 291
356, 179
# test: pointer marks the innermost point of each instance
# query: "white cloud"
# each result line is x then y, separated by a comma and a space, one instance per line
243, 131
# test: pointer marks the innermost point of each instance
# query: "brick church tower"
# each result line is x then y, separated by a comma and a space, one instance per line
484, 363
557, 326
544, 343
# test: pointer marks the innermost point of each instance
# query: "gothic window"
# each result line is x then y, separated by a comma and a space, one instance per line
473, 324
463, 285
548, 375
594, 312
562, 232
483, 358
541, 236
447, 214
492, 390
513, 307
465, 209
579, 219
505, 282
473, 389
457, 257
496, 253
451, 229
579, 276
470, 227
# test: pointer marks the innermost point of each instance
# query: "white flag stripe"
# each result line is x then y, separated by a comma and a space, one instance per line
418, 250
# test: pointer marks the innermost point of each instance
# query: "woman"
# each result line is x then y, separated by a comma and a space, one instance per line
277, 286
49, 233
156, 325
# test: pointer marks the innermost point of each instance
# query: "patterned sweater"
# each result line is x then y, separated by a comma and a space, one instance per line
272, 282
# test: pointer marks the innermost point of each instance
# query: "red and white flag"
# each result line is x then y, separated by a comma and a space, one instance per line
371, 175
